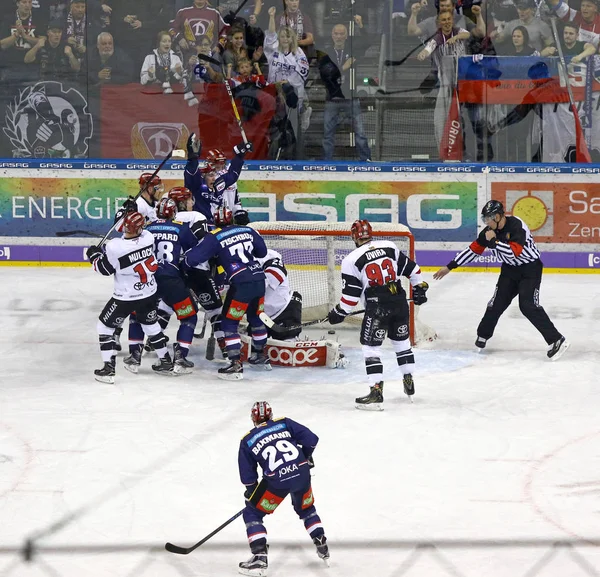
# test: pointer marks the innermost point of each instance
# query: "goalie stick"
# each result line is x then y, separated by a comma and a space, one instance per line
228, 87
270, 323
186, 550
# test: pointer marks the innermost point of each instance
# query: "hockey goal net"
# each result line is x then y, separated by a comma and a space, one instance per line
313, 252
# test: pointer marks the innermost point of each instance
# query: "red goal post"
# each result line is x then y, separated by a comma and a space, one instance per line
313, 252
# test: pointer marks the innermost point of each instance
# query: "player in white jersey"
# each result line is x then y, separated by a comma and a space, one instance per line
281, 304
131, 259
511, 242
145, 205
371, 273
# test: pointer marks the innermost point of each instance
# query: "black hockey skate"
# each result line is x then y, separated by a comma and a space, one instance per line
409, 385
182, 365
558, 349
480, 343
165, 366
261, 360
322, 548
233, 372
373, 401
107, 373
134, 360
256, 566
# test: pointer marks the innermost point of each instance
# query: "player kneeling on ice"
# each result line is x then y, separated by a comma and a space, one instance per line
510, 240
236, 249
282, 305
283, 449
131, 259
372, 273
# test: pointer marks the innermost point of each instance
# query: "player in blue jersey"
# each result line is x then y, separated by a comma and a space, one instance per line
171, 240
235, 248
214, 186
283, 449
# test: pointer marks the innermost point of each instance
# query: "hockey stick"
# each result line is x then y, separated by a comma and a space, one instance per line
74, 232
186, 550
270, 323
200, 335
584, 155
210, 345
181, 154
228, 87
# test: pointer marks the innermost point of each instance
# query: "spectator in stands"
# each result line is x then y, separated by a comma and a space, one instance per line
109, 65
300, 22
587, 18
337, 70
247, 75
520, 44
287, 63
449, 40
540, 35
571, 46
162, 66
57, 10
20, 32
197, 20
55, 58
75, 28
133, 27
429, 26
235, 50
205, 71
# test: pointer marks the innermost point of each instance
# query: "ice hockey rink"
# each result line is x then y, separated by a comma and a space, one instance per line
496, 449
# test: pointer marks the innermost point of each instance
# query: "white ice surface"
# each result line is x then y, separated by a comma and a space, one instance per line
504, 445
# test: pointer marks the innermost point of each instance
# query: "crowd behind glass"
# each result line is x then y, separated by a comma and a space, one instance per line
298, 45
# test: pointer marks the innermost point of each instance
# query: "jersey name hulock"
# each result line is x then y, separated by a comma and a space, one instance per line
137, 256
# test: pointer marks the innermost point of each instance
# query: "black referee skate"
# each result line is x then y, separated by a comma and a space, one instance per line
260, 360
182, 365
134, 360
322, 548
107, 373
373, 401
165, 366
558, 349
256, 566
480, 343
409, 385
233, 372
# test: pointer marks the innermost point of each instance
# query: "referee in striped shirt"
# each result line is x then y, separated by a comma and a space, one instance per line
511, 242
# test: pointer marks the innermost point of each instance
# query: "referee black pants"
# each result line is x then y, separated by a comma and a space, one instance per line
524, 281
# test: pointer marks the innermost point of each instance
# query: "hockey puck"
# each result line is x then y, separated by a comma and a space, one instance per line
331, 332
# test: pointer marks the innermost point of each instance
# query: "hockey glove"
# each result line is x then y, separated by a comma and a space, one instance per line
93, 252
241, 217
242, 148
249, 490
194, 146
419, 296
229, 18
130, 205
336, 315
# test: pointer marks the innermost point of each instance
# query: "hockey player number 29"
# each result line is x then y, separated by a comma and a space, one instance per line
377, 276
288, 451
141, 268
